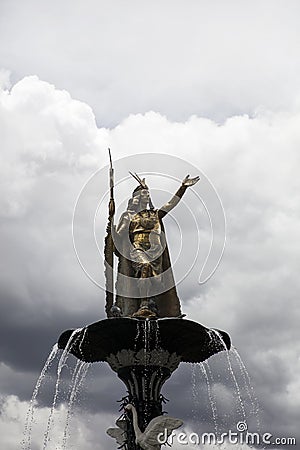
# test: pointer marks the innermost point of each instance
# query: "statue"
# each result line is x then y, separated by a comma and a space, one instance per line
145, 285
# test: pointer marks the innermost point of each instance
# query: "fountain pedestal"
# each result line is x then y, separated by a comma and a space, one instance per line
144, 375
144, 353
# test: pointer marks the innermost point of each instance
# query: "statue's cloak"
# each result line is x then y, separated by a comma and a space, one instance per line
162, 290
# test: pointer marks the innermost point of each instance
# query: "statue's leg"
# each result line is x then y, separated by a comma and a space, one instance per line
144, 272
145, 283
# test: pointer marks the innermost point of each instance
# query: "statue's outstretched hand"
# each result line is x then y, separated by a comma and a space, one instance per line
190, 181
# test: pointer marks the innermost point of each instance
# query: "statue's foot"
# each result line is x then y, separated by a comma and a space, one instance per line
145, 313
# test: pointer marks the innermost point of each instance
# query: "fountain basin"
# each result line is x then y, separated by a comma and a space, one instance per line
190, 341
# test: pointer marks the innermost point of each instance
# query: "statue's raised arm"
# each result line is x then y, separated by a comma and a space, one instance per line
178, 195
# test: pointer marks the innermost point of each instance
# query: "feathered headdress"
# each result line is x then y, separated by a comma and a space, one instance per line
142, 182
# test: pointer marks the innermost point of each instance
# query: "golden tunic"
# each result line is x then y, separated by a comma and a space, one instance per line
145, 236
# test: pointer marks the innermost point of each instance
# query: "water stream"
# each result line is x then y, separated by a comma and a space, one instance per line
243, 389
210, 395
195, 396
26, 442
218, 337
157, 333
63, 359
78, 377
248, 386
137, 336
146, 337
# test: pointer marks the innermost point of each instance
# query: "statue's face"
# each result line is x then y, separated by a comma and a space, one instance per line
136, 200
140, 199
144, 195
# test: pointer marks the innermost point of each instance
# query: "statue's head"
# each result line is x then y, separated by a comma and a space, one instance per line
134, 203
141, 195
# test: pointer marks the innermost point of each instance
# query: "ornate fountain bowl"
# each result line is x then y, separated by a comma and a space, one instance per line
190, 341
144, 353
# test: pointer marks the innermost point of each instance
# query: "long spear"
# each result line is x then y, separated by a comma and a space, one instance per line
109, 245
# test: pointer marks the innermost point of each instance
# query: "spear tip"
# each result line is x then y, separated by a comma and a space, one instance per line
109, 152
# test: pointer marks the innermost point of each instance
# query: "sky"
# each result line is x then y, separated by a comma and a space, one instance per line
213, 83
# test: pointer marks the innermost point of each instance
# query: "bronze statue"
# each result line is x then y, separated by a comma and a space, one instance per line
145, 284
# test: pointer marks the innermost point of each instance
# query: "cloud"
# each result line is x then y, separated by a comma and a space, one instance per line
83, 431
5, 79
51, 145
213, 59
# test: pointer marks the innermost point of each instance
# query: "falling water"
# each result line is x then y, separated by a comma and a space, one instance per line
194, 392
61, 364
209, 371
147, 330
248, 386
79, 375
26, 442
157, 334
82, 340
210, 395
211, 377
137, 335
146, 337
215, 334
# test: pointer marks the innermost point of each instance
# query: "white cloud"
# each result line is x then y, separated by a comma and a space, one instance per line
5, 79
83, 429
215, 59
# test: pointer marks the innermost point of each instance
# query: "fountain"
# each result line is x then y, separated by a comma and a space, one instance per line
145, 336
